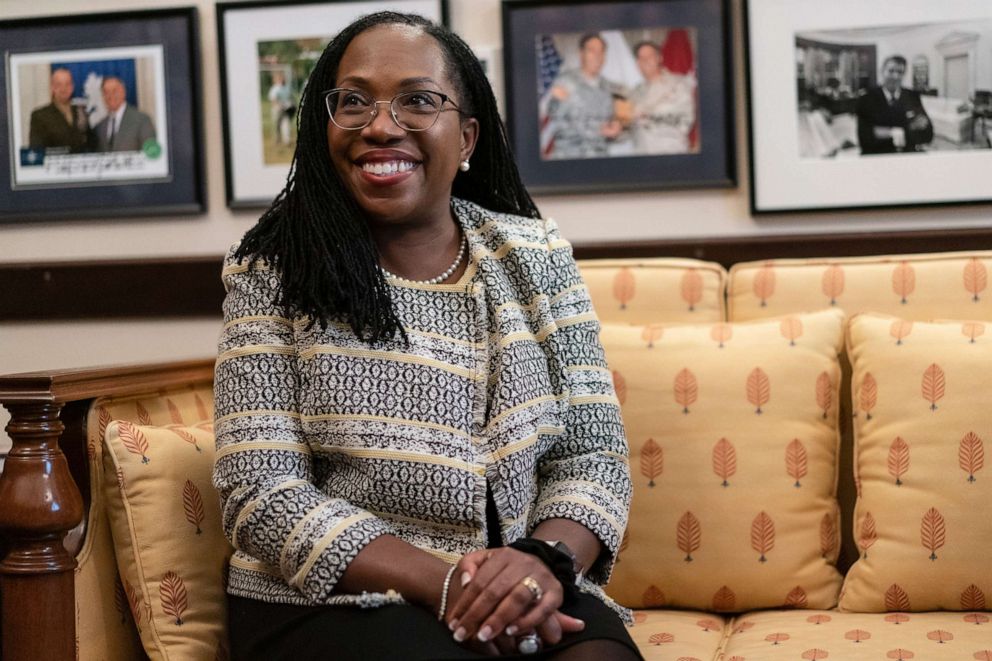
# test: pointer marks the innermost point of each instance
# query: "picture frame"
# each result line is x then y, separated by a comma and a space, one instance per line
267, 49
853, 106
650, 107
65, 156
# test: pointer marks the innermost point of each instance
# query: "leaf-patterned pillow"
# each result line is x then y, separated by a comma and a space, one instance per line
165, 521
639, 291
733, 446
922, 427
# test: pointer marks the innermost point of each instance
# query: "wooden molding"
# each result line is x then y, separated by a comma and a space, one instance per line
728, 251
69, 385
178, 287
191, 286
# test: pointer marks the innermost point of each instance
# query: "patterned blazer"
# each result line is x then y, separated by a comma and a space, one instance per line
325, 442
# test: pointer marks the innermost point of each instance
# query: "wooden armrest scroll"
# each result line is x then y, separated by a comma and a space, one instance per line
40, 501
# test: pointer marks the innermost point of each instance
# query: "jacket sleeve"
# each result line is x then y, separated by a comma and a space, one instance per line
271, 508
585, 476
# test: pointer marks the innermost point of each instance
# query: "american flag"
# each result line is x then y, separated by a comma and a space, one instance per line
548, 65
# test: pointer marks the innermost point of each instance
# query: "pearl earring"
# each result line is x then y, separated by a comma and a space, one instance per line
464, 165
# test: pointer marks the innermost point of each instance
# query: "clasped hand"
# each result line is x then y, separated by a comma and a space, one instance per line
490, 603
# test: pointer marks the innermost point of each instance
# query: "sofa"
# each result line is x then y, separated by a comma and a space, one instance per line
807, 444
951, 118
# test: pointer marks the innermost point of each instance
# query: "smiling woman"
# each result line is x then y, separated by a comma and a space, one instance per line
405, 467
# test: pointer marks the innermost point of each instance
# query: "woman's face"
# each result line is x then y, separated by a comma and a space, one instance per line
399, 176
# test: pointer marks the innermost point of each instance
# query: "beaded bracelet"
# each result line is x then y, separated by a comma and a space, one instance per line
444, 593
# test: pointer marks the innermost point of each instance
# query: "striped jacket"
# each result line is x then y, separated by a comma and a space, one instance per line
325, 442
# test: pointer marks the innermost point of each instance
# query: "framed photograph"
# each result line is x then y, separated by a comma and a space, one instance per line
267, 51
101, 116
853, 105
620, 95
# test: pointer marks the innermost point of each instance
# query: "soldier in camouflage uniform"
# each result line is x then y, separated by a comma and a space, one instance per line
581, 105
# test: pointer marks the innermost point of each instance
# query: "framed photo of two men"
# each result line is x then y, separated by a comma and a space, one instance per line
868, 103
622, 95
101, 115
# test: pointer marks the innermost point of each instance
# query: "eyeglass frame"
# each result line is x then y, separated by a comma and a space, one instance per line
392, 113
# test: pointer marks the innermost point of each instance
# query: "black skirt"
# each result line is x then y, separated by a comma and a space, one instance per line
270, 632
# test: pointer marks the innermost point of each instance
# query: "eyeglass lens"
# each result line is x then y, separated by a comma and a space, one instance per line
414, 111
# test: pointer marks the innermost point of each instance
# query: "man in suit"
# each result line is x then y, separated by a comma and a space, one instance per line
891, 118
60, 126
124, 128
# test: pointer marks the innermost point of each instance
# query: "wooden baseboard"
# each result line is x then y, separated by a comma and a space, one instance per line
191, 286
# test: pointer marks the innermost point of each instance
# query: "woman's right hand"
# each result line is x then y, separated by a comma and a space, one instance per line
490, 604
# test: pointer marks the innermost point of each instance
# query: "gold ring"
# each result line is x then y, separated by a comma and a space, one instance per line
535, 588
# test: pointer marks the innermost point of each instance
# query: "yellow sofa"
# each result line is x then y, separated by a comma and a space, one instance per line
765, 429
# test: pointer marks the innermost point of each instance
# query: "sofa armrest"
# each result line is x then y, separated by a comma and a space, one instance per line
42, 490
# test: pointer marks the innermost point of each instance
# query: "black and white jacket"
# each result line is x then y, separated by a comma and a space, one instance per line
324, 442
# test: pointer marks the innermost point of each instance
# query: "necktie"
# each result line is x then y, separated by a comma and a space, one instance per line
113, 131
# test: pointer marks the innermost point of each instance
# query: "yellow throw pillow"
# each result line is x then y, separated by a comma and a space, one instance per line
922, 427
925, 286
733, 446
171, 552
640, 291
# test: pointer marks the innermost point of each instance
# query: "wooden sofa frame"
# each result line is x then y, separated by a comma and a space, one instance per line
44, 495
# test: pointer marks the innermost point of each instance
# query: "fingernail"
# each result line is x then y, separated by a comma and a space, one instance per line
511, 630
460, 634
466, 577
485, 633
582, 622
453, 625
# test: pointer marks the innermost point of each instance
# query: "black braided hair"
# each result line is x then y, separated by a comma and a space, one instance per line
315, 234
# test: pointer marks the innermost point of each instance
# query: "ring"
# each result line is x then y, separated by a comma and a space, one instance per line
528, 644
532, 585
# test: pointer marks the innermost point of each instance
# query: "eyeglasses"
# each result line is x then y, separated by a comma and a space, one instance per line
412, 111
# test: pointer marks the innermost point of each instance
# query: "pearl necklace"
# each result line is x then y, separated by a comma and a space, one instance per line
438, 279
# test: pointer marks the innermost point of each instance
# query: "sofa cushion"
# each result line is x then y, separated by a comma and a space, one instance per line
171, 552
104, 626
733, 441
794, 636
920, 287
666, 634
923, 422
642, 291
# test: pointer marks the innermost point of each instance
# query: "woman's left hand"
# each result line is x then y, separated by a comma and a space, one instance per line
495, 595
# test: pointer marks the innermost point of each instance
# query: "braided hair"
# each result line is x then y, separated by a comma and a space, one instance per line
316, 235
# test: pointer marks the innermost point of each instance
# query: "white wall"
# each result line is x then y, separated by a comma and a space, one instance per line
647, 215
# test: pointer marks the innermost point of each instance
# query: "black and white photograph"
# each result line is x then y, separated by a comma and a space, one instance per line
267, 50
894, 89
605, 96
101, 115
618, 93
88, 116
851, 105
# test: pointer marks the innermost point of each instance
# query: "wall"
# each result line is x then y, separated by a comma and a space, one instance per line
647, 215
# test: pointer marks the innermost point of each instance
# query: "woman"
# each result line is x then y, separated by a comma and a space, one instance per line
410, 381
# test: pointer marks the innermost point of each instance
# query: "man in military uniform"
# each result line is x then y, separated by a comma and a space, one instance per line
60, 126
664, 105
581, 105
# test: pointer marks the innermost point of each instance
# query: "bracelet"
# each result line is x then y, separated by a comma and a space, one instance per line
444, 593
